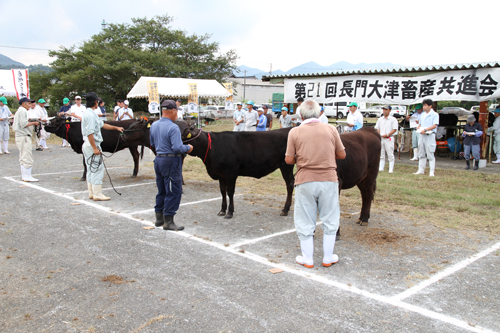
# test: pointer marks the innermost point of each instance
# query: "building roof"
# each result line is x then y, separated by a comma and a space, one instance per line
253, 82
390, 70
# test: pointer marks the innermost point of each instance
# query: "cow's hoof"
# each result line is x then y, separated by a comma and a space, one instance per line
337, 238
222, 213
83, 179
134, 176
283, 213
362, 223
228, 216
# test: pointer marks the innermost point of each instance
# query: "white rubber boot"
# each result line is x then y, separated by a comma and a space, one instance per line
97, 193
43, 144
432, 166
498, 159
26, 174
391, 167
328, 245
307, 248
6, 147
91, 193
381, 165
421, 166
415, 155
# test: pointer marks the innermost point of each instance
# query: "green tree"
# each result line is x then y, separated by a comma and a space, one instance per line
111, 62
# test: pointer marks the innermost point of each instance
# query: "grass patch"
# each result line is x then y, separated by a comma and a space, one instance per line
453, 199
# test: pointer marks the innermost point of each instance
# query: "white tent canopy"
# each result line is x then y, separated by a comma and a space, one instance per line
178, 88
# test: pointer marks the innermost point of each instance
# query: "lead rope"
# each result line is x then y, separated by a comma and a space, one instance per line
94, 166
209, 146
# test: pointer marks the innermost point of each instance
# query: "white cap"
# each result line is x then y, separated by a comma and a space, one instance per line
78, 97
126, 102
260, 109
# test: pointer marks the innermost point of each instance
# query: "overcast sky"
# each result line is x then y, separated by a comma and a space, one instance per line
282, 33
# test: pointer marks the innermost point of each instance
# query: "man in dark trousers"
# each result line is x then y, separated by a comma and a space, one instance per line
165, 136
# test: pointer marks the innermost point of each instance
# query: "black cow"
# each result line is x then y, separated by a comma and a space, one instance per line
227, 155
112, 140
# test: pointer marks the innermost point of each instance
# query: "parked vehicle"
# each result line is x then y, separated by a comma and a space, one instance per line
331, 109
372, 111
492, 107
474, 108
398, 111
278, 99
459, 112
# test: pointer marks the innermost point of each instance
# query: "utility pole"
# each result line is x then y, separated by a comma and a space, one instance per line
271, 69
244, 85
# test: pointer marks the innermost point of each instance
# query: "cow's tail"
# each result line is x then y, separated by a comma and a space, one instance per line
142, 151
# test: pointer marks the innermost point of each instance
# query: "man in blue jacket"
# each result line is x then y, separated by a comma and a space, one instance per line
165, 136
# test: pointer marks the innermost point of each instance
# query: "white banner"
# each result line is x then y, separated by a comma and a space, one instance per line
464, 85
21, 83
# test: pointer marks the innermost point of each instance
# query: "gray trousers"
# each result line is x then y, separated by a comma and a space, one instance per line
312, 198
475, 152
414, 139
427, 146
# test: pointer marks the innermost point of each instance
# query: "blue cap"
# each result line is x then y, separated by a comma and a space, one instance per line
284, 109
250, 103
322, 109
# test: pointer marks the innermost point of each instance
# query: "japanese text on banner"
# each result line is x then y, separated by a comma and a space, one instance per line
193, 93
154, 96
21, 83
464, 85
229, 88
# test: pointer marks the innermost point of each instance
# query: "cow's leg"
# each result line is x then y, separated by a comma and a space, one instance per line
231, 185
287, 173
367, 188
135, 155
84, 176
223, 188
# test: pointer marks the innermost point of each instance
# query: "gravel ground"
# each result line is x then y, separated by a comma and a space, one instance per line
68, 264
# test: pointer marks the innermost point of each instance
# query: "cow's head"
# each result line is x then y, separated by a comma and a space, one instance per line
188, 130
137, 129
54, 124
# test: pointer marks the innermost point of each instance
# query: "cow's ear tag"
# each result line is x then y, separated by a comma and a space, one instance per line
189, 135
149, 125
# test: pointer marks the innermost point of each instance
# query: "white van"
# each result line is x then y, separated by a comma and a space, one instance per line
331, 109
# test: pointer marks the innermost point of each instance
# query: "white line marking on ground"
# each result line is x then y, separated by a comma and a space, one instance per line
299, 272
255, 240
58, 173
448, 271
110, 188
182, 204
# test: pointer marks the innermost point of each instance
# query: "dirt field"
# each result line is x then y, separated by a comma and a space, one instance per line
68, 264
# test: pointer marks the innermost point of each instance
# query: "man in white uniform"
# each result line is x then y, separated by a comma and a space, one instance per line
322, 117
180, 110
117, 109
414, 133
427, 140
77, 110
24, 130
387, 127
496, 134
41, 113
251, 118
354, 118
4, 125
125, 113
239, 119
